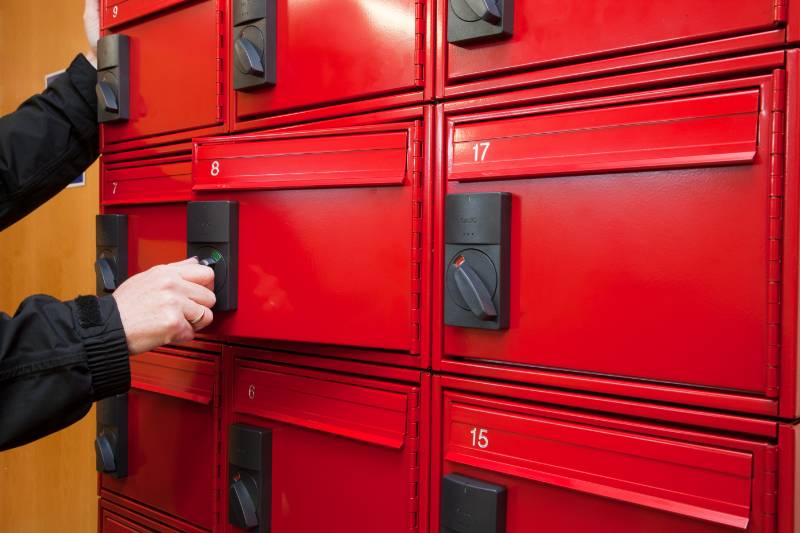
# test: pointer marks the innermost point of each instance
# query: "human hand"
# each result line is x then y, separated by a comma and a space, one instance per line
158, 306
91, 24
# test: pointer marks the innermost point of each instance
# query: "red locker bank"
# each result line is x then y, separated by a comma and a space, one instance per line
481, 266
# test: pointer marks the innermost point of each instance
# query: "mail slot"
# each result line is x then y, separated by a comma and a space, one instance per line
505, 39
645, 235
115, 518
166, 51
345, 451
330, 229
574, 471
172, 438
319, 57
155, 180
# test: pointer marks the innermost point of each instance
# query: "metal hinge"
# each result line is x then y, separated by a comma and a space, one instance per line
416, 237
419, 43
777, 174
412, 453
771, 490
780, 10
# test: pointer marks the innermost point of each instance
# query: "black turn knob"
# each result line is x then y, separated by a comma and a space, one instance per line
106, 269
473, 10
242, 501
473, 290
104, 455
107, 97
248, 57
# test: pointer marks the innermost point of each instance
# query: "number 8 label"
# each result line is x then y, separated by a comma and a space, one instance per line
215, 168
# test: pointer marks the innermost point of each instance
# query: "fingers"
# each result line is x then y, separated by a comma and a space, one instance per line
198, 293
197, 316
200, 274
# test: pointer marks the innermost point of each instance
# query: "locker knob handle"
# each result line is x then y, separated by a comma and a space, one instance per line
106, 269
243, 505
473, 290
248, 58
486, 9
106, 97
104, 455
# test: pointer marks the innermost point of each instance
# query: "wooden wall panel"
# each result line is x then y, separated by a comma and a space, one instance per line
49, 485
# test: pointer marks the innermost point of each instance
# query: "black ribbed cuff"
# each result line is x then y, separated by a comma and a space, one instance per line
106, 346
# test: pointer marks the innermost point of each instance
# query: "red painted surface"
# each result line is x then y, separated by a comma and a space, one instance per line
331, 53
180, 44
154, 181
119, 516
550, 33
645, 234
581, 471
172, 444
349, 453
330, 233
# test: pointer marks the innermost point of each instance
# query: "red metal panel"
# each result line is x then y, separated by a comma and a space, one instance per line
330, 233
120, 516
788, 480
334, 52
548, 32
622, 475
116, 12
665, 275
165, 51
349, 454
161, 180
172, 410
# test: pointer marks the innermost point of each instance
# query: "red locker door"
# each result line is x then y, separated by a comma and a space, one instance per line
172, 436
548, 32
345, 450
575, 471
340, 51
645, 233
175, 72
329, 233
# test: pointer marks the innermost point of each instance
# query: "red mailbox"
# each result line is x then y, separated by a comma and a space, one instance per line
337, 453
548, 458
331, 235
647, 238
172, 436
515, 43
175, 80
297, 61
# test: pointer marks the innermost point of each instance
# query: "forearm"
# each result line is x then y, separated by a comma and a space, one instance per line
56, 358
48, 141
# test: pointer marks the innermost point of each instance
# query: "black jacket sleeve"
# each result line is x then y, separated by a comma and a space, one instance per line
48, 142
56, 358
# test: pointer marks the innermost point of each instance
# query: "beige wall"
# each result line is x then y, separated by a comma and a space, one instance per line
49, 485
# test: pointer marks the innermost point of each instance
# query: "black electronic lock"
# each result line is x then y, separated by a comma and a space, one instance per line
113, 78
212, 229
470, 21
254, 43
477, 255
111, 264
472, 506
111, 443
250, 478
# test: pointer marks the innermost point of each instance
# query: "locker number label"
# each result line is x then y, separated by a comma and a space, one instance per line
215, 168
480, 437
115, 11
251, 392
480, 150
